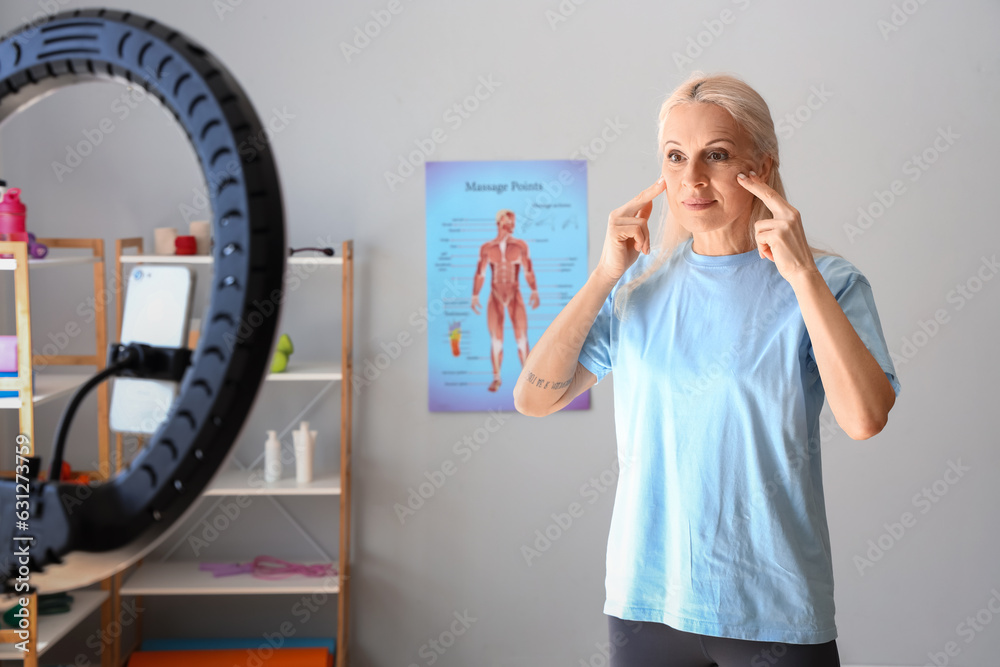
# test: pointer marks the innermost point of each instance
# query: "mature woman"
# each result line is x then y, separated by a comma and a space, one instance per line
725, 334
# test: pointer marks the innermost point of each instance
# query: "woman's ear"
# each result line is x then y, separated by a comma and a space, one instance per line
765, 169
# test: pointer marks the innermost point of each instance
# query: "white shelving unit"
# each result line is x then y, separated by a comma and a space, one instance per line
9, 264
208, 259
242, 483
183, 577
306, 372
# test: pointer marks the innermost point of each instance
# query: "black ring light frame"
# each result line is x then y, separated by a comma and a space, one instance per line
232, 357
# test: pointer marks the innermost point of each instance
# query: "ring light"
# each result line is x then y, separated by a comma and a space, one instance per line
112, 524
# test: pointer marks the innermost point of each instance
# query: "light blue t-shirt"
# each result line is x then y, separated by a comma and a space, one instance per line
719, 524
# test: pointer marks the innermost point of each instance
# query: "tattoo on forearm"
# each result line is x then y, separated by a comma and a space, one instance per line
536, 381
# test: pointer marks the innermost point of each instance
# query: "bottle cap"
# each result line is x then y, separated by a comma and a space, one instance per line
12, 202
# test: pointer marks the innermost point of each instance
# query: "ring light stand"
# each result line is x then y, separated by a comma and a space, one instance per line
113, 524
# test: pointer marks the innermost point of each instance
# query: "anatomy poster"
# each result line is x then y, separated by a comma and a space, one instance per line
506, 251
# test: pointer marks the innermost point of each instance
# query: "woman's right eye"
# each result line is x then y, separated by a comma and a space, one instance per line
672, 155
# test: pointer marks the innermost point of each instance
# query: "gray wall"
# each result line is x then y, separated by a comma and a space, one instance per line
886, 96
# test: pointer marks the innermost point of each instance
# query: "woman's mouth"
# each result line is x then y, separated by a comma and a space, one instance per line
697, 204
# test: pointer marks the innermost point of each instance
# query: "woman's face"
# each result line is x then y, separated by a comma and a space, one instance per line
703, 151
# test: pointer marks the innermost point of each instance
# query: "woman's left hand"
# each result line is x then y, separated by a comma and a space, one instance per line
781, 239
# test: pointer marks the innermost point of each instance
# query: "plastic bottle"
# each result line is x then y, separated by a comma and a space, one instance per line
12, 213
272, 457
305, 448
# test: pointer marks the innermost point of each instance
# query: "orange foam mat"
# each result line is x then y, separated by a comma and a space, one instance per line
282, 657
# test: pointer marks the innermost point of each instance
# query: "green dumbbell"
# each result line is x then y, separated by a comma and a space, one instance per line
283, 350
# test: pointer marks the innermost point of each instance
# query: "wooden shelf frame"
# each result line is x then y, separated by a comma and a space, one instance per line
151, 581
22, 328
21, 265
346, 429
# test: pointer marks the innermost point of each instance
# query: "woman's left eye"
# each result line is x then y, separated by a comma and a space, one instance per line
722, 155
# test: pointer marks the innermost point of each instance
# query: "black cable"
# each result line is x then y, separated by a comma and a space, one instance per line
326, 251
129, 357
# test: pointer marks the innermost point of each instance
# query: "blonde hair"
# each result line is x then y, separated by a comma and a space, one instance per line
502, 212
751, 113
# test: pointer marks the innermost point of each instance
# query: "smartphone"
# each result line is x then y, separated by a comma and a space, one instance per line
157, 312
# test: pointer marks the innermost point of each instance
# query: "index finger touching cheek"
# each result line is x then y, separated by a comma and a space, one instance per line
643, 198
652, 191
772, 200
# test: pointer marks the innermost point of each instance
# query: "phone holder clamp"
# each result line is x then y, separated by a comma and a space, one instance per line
148, 361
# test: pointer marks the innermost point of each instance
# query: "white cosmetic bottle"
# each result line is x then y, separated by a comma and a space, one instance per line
272, 457
305, 449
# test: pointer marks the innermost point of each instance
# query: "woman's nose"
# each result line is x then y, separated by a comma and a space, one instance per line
694, 174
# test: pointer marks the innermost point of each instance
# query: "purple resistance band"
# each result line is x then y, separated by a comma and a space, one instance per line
267, 567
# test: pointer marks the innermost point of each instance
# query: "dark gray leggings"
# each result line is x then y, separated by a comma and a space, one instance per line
648, 644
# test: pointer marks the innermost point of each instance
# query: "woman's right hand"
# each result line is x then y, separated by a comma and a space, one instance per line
628, 232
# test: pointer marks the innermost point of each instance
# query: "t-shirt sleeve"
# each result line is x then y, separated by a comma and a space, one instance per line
858, 303
595, 355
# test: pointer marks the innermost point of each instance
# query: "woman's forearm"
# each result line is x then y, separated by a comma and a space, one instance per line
551, 364
857, 388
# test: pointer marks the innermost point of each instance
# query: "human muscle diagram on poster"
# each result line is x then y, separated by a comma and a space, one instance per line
506, 251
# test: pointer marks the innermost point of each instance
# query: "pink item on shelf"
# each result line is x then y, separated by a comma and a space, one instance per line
268, 567
8, 354
12, 212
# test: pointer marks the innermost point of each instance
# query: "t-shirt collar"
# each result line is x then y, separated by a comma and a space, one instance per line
687, 250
